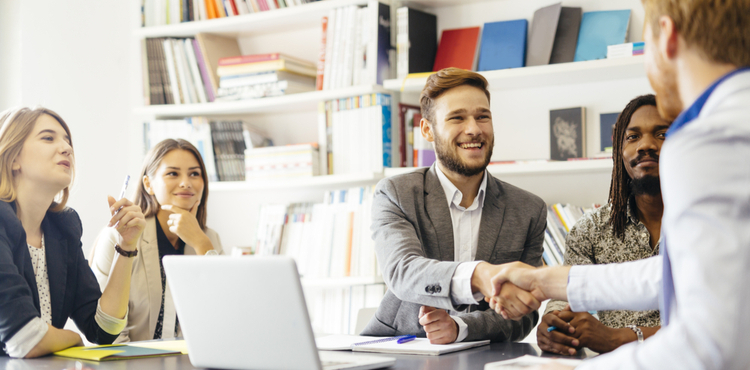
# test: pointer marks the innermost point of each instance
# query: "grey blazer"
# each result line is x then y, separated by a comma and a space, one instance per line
413, 233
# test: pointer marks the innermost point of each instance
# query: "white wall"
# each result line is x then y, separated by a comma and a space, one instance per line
73, 57
10, 53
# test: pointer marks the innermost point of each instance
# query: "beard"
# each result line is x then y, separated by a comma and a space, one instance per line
447, 154
663, 80
646, 185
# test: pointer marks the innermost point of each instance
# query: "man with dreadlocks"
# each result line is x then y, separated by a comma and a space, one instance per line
626, 229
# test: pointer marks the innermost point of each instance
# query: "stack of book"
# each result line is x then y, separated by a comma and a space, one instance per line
560, 219
222, 144
414, 149
355, 134
163, 12
281, 162
327, 240
262, 75
625, 50
355, 43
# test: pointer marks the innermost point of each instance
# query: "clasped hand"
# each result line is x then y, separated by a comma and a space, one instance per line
510, 291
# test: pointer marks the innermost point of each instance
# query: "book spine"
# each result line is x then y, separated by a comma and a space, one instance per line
204, 71
322, 55
171, 71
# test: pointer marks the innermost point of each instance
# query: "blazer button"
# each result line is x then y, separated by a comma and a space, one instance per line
427, 289
439, 289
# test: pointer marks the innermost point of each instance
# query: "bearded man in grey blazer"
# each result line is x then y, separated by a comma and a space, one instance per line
438, 229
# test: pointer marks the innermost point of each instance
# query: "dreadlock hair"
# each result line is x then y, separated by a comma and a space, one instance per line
619, 188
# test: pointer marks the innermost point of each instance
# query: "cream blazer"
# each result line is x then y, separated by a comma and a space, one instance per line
145, 284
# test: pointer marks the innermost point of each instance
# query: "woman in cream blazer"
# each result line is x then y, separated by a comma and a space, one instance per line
172, 194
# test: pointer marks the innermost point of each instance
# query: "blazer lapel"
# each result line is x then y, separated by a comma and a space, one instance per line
439, 214
149, 255
492, 219
56, 253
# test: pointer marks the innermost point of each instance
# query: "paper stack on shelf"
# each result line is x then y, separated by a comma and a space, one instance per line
163, 12
358, 134
281, 162
262, 75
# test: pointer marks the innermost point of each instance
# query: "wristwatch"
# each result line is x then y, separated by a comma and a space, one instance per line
637, 331
211, 252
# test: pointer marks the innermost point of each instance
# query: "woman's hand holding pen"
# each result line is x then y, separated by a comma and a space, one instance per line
128, 220
184, 224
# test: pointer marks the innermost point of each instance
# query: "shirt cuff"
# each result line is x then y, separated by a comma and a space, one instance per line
463, 329
461, 284
20, 344
109, 324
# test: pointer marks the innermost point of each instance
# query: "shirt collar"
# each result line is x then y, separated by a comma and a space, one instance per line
694, 110
632, 215
454, 196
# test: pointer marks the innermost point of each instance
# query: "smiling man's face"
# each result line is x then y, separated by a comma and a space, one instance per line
462, 131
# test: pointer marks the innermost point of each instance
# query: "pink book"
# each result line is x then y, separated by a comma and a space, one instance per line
322, 56
204, 71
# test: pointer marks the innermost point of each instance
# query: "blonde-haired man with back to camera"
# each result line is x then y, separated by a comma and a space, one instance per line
697, 58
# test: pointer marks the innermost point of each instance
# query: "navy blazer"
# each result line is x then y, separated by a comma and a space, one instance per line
74, 292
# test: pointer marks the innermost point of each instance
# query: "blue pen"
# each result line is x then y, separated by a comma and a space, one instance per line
406, 338
551, 328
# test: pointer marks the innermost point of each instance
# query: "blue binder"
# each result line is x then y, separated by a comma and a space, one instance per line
503, 45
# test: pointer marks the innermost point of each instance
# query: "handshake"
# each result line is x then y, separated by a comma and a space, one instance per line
515, 289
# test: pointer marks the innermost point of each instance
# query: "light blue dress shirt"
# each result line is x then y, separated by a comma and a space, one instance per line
702, 279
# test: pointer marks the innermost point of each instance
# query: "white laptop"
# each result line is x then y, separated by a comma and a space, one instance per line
249, 313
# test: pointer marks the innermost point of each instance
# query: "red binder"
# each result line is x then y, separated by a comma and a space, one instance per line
457, 48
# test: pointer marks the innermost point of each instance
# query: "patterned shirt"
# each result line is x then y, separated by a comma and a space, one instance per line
591, 241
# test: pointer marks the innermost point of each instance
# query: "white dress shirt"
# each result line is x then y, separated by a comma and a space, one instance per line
465, 239
705, 182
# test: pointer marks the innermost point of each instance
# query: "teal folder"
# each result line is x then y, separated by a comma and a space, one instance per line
599, 30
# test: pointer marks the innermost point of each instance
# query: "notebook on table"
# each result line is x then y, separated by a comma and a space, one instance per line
249, 313
418, 346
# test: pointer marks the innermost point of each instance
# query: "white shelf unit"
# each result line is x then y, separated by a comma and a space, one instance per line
318, 182
278, 104
547, 75
521, 99
297, 17
534, 168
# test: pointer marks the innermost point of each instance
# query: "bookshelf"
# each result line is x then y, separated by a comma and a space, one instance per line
317, 182
307, 101
547, 75
521, 101
286, 19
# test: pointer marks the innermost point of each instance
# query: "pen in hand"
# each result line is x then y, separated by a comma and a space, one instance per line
122, 192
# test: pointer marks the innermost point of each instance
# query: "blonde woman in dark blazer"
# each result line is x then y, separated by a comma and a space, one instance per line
172, 193
44, 278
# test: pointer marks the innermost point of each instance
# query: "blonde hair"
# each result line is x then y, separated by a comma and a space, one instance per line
148, 202
16, 125
720, 30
